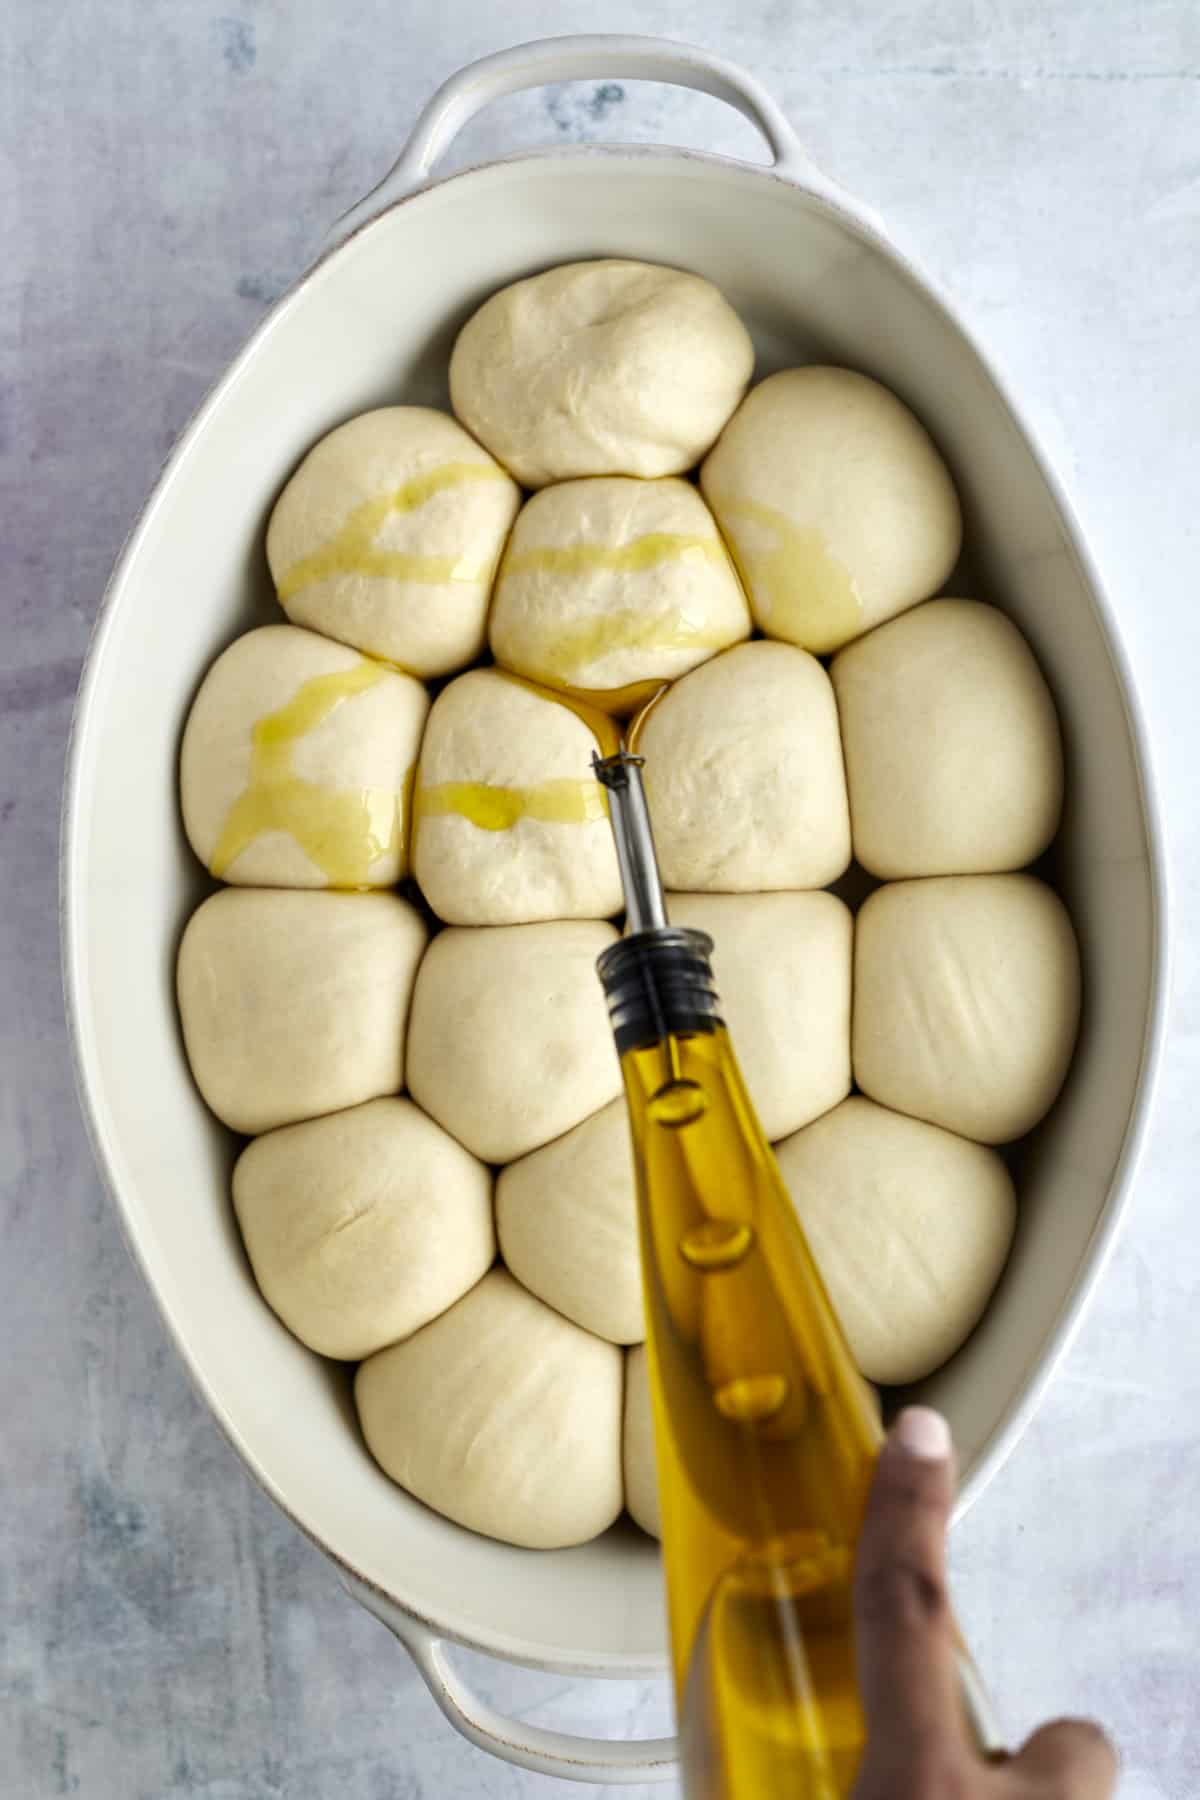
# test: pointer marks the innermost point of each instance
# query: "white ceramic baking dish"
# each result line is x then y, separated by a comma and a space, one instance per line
812, 273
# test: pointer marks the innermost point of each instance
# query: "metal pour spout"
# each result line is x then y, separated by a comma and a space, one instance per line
622, 776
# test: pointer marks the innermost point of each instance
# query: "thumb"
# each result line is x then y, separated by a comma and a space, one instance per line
1071, 1757
905, 1641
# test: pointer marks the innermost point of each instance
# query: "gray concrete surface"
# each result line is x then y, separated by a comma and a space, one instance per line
166, 169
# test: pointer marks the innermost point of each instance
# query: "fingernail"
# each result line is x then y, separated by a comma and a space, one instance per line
923, 1433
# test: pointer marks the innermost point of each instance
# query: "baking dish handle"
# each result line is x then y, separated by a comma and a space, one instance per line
576, 59
602, 1761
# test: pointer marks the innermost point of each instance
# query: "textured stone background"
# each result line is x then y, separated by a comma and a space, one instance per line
167, 169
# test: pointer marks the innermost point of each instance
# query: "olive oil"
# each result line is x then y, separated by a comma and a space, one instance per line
344, 831
565, 652
490, 807
352, 549
640, 553
801, 591
563, 800
766, 1435
598, 722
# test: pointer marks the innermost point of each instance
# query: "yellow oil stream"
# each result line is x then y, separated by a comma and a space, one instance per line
352, 551
562, 801
342, 830
493, 808
566, 651
620, 559
799, 589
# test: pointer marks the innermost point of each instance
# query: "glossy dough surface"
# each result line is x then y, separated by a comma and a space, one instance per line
838, 508
782, 969
387, 538
953, 753
509, 1043
566, 1217
910, 1227
611, 583
296, 763
511, 822
502, 1415
966, 1001
744, 774
295, 1004
600, 368
364, 1225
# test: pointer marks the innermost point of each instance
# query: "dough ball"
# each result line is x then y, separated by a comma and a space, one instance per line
910, 1227
836, 504
363, 1226
782, 969
566, 1216
503, 1416
512, 825
600, 368
295, 1004
744, 774
953, 755
388, 535
641, 1473
611, 585
295, 764
966, 1001
510, 1043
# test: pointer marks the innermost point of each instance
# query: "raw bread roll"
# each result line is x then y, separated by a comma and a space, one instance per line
388, 535
612, 584
782, 968
953, 755
510, 1043
295, 1004
600, 368
837, 507
744, 774
966, 1001
641, 1474
503, 1416
295, 764
511, 821
910, 1227
566, 1216
363, 1226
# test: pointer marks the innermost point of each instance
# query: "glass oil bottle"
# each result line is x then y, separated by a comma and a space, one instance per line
766, 1434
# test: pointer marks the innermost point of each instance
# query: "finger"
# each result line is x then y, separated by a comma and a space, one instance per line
904, 1631
1072, 1759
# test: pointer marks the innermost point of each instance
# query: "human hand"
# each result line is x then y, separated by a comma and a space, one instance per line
917, 1742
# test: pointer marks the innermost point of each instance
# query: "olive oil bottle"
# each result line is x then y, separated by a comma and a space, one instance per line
766, 1434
